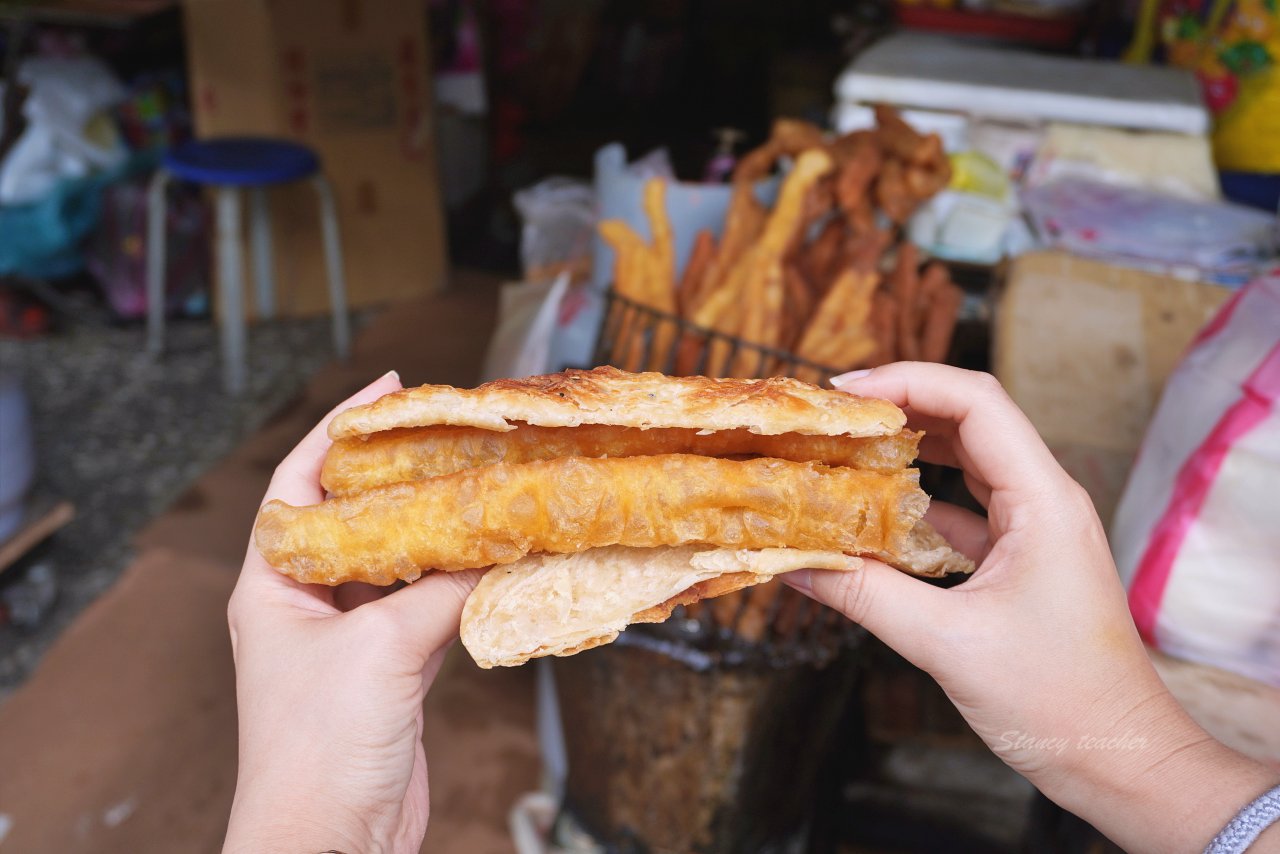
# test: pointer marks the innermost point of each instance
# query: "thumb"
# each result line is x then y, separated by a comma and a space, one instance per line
427, 612
904, 612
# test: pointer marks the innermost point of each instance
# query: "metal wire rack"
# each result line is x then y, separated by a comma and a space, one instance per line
635, 337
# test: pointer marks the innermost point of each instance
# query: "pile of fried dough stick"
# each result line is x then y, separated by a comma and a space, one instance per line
823, 276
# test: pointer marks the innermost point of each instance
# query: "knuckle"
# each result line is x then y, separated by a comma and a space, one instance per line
852, 597
462, 583
372, 621
1078, 500
988, 382
379, 624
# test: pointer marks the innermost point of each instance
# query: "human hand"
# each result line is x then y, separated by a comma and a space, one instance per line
1037, 649
329, 686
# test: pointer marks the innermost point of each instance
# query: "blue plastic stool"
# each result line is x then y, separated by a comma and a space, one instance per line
230, 165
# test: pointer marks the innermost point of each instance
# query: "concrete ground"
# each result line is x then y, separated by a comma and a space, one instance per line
123, 739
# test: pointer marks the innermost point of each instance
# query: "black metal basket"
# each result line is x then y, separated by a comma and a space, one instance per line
636, 337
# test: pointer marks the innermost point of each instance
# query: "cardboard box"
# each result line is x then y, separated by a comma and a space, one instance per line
1085, 348
350, 79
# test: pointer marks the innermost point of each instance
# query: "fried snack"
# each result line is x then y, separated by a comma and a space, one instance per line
695, 270
500, 513
940, 323
838, 334
788, 213
662, 291
860, 160
743, 224
864, 250
926, 553
901, 140
822, 255
757, 163
892, 194
609, 396
633, 268
818, 206
760, 270
762, 321
397, 456
797, 306
884, 328
629, 249
924, 181
562, 604
905, 286
662, 282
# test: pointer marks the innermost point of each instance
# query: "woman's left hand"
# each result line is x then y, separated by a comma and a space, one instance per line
329, 685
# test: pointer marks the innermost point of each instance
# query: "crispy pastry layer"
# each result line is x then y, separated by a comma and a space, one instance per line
395, 456
609, 396
926, 553
499, 513
562, 604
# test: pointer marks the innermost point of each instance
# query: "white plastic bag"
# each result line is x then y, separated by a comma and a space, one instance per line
1197, 532
68, 134
527, 314
558, 217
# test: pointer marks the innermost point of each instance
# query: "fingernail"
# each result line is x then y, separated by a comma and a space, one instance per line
391, 375
851, 376
801, 579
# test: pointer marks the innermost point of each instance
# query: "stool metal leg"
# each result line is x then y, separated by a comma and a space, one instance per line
231, 290
156, 234
333, 261
263, 272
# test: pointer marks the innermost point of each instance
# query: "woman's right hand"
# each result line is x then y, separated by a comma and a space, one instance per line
1037, 650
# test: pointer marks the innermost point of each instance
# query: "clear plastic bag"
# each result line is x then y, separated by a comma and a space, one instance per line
559, 219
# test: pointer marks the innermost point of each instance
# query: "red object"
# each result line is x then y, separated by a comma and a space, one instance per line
1058, 31
1219, 91
21, 316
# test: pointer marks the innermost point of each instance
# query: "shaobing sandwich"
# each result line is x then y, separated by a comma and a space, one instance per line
602, 498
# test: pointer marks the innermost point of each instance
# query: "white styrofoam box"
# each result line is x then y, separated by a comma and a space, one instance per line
930, 72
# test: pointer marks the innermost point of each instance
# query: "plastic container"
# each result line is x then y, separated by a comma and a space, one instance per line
17, 454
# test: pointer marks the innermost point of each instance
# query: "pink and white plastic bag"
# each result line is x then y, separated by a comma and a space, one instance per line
1197, 532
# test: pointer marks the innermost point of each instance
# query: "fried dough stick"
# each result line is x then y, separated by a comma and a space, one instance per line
396, 456
499, 513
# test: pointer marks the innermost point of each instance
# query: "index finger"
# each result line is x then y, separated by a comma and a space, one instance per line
297, 479
1003, 447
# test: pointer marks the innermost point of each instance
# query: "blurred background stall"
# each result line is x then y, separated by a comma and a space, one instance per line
1075, 195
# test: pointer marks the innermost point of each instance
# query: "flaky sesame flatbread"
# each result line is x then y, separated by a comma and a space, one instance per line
609, 396
563, 604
